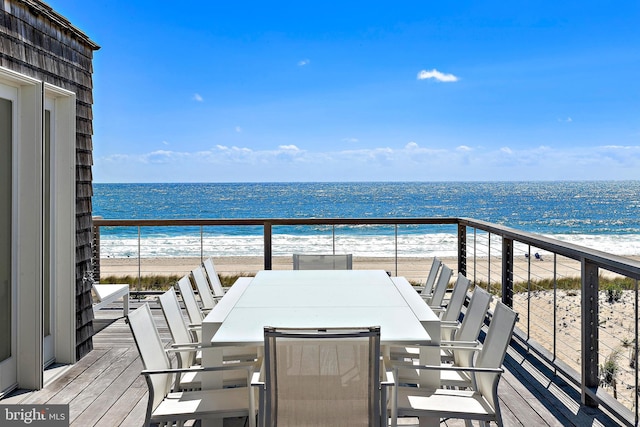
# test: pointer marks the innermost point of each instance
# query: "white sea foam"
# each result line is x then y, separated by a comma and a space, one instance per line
416, 245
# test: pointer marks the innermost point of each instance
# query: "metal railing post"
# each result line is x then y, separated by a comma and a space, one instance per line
555, 304
475, 255
95, 249
201, 244
333, 238
507, 271
268, 254
529, 293
489, 263
589, 342
635, 353
139, 287
462, 249
396, 245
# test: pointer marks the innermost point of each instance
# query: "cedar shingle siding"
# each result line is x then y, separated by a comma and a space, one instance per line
37, 42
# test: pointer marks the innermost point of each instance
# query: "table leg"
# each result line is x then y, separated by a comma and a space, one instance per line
430, 355
211, 357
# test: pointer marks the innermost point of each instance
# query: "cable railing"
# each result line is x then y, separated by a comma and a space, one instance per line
577, 307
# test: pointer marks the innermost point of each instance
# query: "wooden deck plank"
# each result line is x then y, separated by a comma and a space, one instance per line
110, 395
96, 390
59, 393
120, 410
550, 393
511, 401
137, 415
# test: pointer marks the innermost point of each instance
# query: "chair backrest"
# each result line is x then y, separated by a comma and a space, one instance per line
189, 300
441, 286
322, 376
474, 316
427, 288
204, 291
458, 296
152, 353
175, 321
322, 262
494, 350
214, 280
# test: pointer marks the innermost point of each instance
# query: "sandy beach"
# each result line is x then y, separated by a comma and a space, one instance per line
414, 269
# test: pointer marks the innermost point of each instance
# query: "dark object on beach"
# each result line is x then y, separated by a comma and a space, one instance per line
538, 257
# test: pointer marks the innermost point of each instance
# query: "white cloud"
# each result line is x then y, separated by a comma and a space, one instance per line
197, 97
621, 147
409, 162
238, 129
165, 143
289, 148
411, 146
303, 62
567, 120
350, 140
439, 76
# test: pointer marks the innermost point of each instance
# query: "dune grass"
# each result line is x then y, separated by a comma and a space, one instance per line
158, 282
613, 287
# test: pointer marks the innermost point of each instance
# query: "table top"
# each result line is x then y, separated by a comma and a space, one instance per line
320, 298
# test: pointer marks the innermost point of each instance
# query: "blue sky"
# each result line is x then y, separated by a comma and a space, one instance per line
213, 91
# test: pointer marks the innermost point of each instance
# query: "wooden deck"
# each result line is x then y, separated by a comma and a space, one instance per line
105, 387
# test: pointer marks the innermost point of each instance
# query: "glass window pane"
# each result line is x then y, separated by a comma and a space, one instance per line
46, 276
5, 226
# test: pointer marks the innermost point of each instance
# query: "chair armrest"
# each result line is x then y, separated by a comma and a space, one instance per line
191, 346
256, 381
387, 371
449, 324
453, 368
186, 345
256, 376
466, 344
249, 366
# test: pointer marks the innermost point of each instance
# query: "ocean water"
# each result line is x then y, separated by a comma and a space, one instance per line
602, 215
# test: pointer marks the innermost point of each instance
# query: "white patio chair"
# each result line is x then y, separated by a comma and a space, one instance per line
191, 305
190, 350
214, 279
204, 291
322, 377
459, 347
440, 288
322, 262
451, 312
106, 294
165, 405
480, 401
464, 333
427, 288
469, 329
448, 316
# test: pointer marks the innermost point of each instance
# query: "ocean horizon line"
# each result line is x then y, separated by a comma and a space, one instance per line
373, 182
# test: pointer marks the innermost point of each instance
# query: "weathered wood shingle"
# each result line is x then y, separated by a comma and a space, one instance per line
38, 42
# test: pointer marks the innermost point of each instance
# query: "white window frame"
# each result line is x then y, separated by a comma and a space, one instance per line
28, 226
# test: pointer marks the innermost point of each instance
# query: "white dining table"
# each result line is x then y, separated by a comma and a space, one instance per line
322, 298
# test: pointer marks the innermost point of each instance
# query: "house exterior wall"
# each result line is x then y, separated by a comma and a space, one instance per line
39, 43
